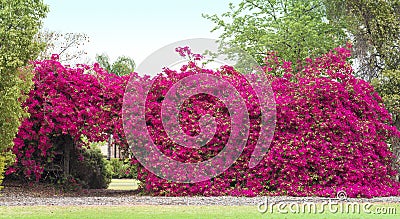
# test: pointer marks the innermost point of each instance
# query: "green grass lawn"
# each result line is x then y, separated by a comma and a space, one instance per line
123, 184
173, 212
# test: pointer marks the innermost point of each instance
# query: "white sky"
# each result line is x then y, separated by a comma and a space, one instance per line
133, 28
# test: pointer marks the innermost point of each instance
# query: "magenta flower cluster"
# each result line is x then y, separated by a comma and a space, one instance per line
331, 128
74, 102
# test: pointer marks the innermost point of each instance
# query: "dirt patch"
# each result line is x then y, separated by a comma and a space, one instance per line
43, 190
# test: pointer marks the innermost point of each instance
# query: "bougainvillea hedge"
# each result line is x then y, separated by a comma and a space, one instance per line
330, 134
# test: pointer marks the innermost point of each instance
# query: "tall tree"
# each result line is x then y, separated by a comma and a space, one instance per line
374, 28
388, 86
20, 20
69, 46
296, 29
122, 66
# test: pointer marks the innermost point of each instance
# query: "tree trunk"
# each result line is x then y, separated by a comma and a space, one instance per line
109, 147
396, 150
68, 145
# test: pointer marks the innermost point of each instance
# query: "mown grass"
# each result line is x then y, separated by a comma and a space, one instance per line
166, 212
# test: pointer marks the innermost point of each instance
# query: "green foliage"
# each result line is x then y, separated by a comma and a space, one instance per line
9, 158
19, 22
122, 66
92, 171
2, 167
296, 29
122, 169
6, 159
388, 86
374, 28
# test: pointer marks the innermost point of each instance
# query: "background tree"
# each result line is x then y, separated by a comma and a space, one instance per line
69, 46
296, 29
388, 85
122, 66
301, 28
20, 20
374, 28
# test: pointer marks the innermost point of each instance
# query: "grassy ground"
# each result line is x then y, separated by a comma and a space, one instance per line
178, 212
123, 184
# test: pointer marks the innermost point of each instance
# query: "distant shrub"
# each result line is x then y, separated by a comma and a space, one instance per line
92, 171
122, 169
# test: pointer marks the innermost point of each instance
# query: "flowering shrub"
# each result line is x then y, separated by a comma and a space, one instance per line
330, 135
74, 102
